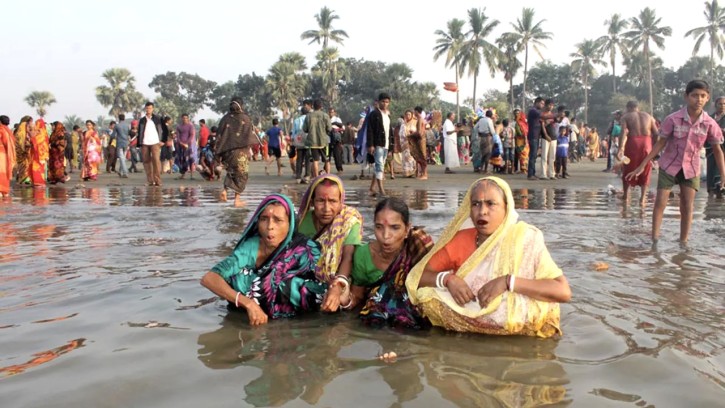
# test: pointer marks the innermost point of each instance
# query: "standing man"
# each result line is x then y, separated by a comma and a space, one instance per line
150, 138
273, 136
637, 131
450, 143
317, 126
378, 140
548, 144
714, 179
348, 143
682, 135
236, 136
120, 133
299, 142
111, 148
186, 147
203, 134
533, 118
613, 132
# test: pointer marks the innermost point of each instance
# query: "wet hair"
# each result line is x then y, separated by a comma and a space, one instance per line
538, 99
275, 121
4, 120
697, 84
149, 103
394, 204
489, 183
383, 95
505, 122
121, 117
632, 104
317, 104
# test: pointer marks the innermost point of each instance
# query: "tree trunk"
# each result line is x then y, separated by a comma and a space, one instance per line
586, 99
526, 68
649, 75
458, 93
475, 80
712, 68
511, 91
613, 60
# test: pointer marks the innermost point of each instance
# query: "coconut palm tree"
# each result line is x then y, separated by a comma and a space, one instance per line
586, 56
287, 82
72, 120
645, 29
476, 50
449, 43
509, 64
325, 32
120, 95
715, 16
529, 33
40, 100
331, 70
613, 43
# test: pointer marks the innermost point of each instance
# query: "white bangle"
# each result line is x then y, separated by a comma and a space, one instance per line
440, 278
344, 279
513, 283
347, 306
236, 299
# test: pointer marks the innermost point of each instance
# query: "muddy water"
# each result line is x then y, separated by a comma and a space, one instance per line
100, 305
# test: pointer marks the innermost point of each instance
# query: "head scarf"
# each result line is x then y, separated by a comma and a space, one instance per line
331, 238
542, 318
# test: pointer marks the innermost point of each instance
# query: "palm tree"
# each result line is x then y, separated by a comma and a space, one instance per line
331, 70
715, 16
72, 120
509, 64
287, 83
586, 56
449, 43
613, 42
40, 100
476, 50
645, 28
529, 33
325, 33
120, 94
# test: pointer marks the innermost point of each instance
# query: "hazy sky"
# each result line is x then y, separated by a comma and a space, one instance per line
63, 47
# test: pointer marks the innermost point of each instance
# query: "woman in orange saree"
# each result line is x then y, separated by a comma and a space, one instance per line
91, 152
22, 151
39, 149
56, 162
7, 155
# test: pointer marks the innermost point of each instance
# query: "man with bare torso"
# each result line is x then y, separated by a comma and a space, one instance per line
638, 131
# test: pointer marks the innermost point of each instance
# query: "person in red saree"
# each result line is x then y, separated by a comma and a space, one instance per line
7, 156
39, 150
521, 142
91, 152
22, 151
56, 161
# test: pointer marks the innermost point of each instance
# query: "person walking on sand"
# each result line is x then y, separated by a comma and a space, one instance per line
378, 141
150, 138
533, 119
450, 143
637, 131
235, 137
682, 135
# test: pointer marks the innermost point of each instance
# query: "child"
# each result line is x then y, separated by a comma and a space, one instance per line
496, 159
682, 135
562, 152
507, 138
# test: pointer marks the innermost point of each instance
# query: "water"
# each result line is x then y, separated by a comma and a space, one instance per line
100, 305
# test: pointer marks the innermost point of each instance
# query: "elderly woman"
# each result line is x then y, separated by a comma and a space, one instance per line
56, 161
324, 217
381, 266
271, 272
490, 273
235, 137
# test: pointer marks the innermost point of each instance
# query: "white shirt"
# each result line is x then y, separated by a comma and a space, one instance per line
485, 125
150, 135
386, 126
564, 122
449, 127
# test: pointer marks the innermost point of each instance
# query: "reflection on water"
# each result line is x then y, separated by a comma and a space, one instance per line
117, 270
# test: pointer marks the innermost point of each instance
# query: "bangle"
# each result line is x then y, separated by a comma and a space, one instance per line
512, 284
348, 305
344, 279
236, 299
439, 279
446, 279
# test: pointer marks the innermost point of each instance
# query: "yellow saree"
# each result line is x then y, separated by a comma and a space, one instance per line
515, 248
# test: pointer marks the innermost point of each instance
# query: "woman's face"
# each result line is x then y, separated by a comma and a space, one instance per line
408, 116
327, 203
488, 208
390, 230
89, 126
273, 225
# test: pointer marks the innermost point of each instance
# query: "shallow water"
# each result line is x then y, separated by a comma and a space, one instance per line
100, 305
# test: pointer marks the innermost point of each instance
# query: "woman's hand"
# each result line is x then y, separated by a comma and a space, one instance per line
460, 290
332, 299
256, 314
491, 290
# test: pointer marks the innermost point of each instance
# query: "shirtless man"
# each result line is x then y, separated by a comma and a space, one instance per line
638, 130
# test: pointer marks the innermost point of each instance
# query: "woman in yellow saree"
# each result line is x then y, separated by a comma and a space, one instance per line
490, 273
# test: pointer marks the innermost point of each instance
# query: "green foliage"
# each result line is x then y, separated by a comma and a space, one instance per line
187, 92
120, 95
40, 100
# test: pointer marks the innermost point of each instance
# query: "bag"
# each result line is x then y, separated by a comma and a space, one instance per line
616, 129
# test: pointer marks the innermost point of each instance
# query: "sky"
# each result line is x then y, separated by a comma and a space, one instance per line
64, 47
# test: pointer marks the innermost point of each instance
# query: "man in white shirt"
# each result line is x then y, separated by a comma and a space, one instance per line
378, 140
150, 138
450, 143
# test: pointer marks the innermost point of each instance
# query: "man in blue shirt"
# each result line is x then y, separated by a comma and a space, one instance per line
120, 133
273, 136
